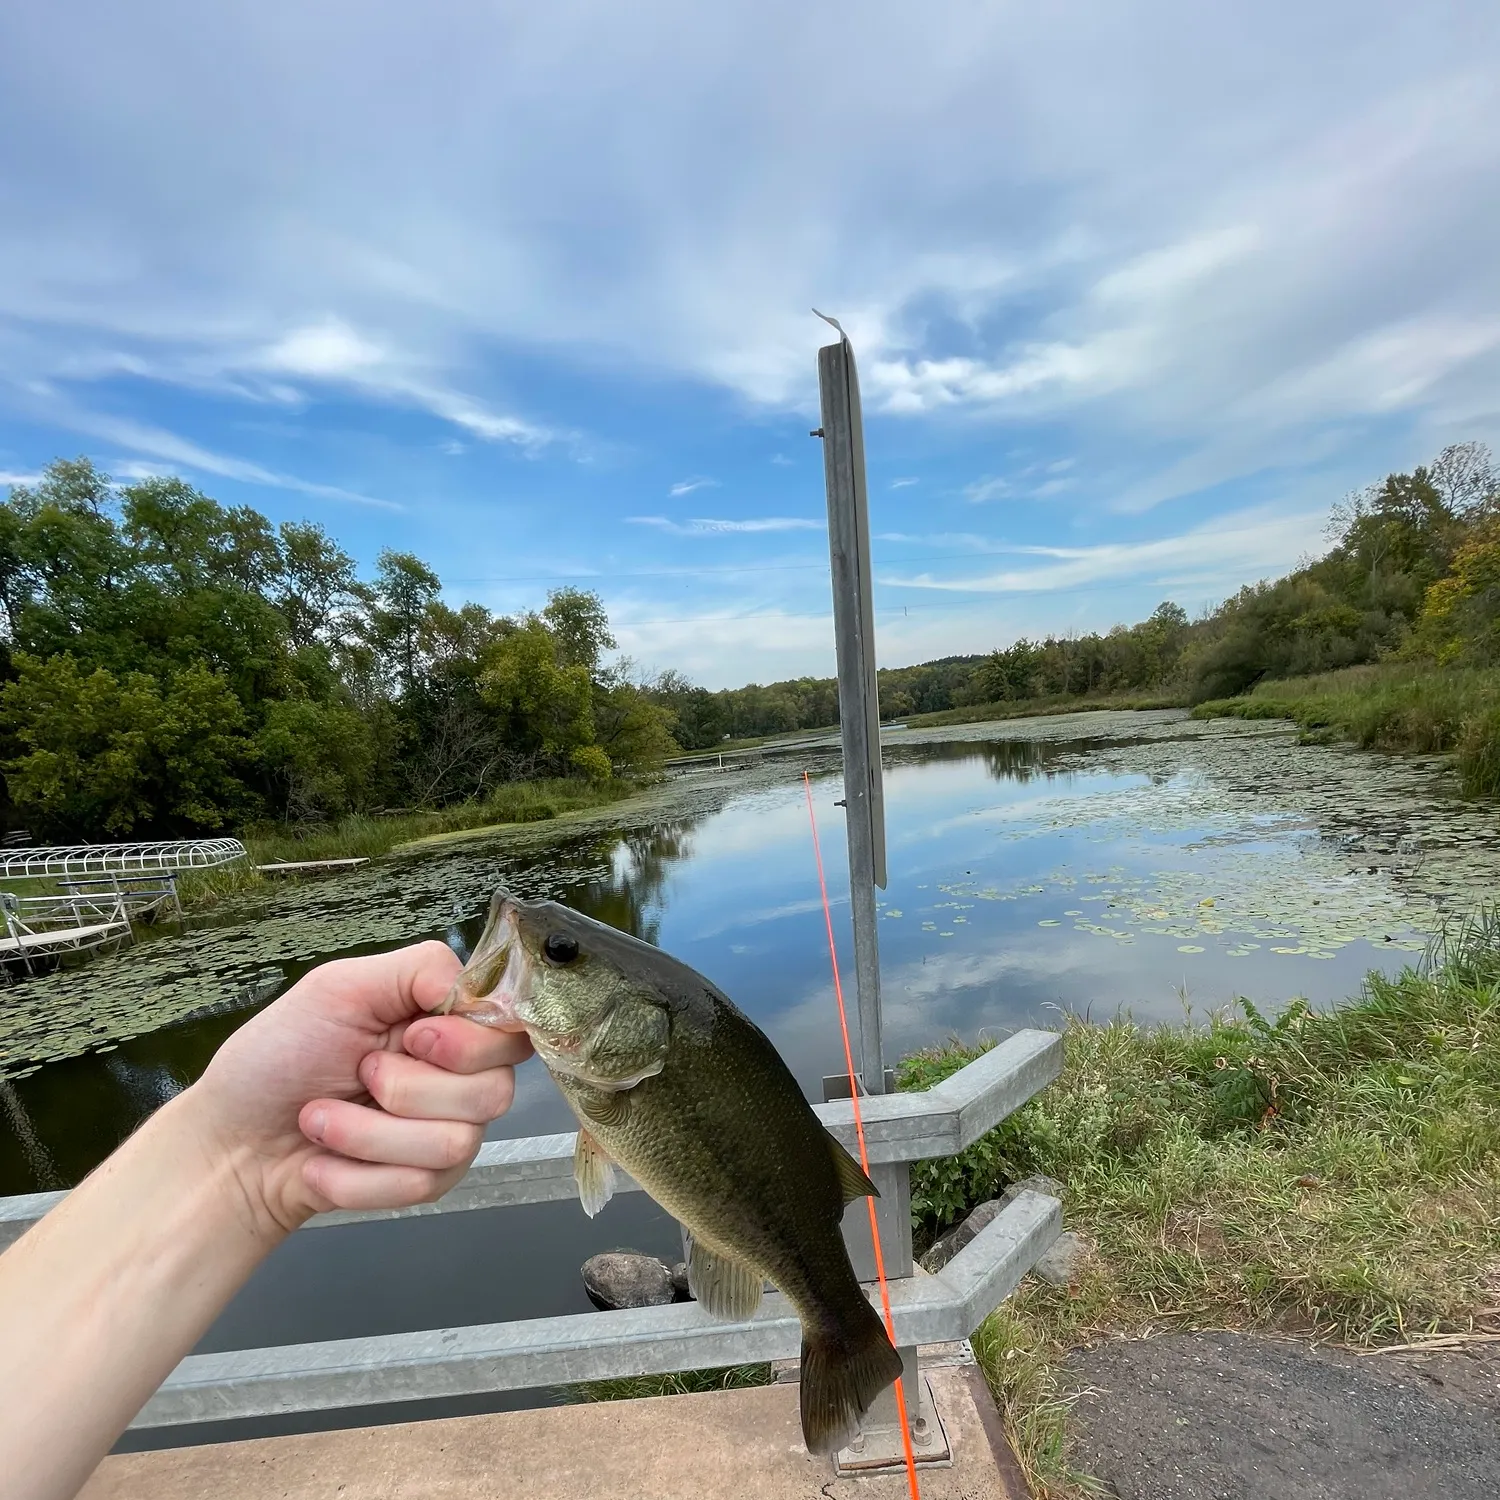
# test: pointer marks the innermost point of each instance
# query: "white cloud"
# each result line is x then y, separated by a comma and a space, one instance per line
901, 484
179, 452
986, 489
7, 477
707, 526
1242, 545
687, 486
330, 350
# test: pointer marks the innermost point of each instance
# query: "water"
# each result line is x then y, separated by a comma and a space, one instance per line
1092, 864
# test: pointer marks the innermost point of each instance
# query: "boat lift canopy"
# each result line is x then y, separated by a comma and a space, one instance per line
97, 859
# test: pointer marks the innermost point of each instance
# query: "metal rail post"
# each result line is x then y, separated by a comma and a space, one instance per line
864, 812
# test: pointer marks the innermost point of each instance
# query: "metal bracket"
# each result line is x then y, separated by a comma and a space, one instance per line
878, 1448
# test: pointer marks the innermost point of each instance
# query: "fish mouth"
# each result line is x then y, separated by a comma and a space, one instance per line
494, 983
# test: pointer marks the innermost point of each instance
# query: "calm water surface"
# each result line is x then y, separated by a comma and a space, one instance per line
1163, 870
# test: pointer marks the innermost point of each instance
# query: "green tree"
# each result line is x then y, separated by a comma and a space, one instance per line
111, 755
546, 703
580, 626
405, 591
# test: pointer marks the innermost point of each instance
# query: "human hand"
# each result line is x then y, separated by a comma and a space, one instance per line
345, 1093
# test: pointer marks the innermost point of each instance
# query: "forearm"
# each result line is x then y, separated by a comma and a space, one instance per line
100, 1300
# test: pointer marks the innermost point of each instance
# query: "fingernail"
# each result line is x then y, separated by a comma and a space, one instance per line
317, 1123
421, 1041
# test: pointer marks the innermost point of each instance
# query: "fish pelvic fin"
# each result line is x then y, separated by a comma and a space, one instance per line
594, 1172
843, 1371
724, 1288
852, 1180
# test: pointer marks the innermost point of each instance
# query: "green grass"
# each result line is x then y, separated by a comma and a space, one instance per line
1036, 708
1331, 1174
679, 1383
1398, 706
370, 837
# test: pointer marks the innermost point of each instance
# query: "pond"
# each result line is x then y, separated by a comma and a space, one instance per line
1090, 863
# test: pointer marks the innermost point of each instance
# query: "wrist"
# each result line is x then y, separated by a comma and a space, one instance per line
258, 1182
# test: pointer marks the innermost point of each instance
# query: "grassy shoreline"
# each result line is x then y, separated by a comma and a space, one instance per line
370, 837
1396, 707
1334, 1175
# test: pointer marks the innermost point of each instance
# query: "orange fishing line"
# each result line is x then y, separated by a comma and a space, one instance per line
859, 1131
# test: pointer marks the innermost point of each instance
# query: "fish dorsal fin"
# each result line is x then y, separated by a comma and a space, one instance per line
595, 1174
607, 1109
852, 1180
726, 1289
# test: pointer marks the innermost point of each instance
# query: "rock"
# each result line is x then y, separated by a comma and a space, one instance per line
680, 1287
1064, 1258
626, 1278
1049, 1187
948, 1244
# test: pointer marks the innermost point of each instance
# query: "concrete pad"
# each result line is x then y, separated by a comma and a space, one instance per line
745, 1444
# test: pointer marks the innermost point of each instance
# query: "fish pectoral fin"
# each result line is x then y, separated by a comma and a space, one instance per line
607, 1109
725, 1288
852, 1180
595, 1174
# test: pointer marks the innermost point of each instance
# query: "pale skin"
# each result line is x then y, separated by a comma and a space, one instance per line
343, 1094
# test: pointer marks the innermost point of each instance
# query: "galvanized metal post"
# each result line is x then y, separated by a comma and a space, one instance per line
859, 704
864, 813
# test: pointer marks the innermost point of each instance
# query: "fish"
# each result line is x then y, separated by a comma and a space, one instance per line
673, 1083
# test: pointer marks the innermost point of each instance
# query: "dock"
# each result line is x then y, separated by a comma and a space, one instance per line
311, 866
73, 939
742, 1443
44, 929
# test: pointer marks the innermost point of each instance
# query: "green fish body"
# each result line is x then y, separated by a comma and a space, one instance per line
669, 1079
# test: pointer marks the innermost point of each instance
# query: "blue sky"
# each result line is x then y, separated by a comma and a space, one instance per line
1137, 290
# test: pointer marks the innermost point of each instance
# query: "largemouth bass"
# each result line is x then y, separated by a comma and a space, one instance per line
669, 1079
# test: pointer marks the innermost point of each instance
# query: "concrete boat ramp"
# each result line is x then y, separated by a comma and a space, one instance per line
744, 1443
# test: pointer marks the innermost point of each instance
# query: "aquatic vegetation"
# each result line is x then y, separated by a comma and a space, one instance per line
1240, 842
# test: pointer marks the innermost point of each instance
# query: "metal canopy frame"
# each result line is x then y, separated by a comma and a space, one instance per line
103, 859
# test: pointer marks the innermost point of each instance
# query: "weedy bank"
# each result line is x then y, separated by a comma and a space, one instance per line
373, 835
1327, 1173
1406, 707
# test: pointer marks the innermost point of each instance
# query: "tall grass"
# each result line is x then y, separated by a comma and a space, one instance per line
1405, 706
1333, 1173
1036, 708
363, 835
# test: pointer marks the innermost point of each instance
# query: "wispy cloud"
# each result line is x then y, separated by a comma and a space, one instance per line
901, 484
987, 489
709, 526
175, 451
6, 477
781, 461
687, 486
1241, 545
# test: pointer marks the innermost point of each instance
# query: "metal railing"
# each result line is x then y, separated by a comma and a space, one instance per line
97, 859
899, 1128
39, 929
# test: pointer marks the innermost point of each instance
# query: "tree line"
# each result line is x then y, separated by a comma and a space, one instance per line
173, 666
1413, 571
170, 665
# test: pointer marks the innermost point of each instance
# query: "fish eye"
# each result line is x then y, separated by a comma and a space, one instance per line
559, 948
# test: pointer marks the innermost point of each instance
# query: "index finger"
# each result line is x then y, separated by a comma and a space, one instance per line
390, 988
457, 1044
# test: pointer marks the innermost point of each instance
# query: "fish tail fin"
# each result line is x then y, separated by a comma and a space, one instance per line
844, 1368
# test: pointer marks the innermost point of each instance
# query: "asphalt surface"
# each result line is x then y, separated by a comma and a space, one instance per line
1224, 1416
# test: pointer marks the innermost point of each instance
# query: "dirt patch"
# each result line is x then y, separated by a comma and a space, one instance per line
1225, 1416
